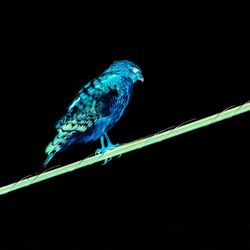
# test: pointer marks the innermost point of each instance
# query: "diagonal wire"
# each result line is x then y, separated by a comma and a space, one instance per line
127, 147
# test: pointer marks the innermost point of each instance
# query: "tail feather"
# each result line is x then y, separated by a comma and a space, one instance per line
48, 159
61, 140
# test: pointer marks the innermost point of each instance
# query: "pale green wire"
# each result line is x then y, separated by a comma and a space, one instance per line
127, 147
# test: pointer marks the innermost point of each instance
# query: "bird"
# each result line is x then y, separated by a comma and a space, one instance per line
96, 108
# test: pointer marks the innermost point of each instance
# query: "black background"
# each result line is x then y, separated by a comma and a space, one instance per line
190, 192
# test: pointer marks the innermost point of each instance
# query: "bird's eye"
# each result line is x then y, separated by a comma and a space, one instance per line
135, 70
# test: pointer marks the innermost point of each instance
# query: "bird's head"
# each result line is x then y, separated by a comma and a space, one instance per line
128, 69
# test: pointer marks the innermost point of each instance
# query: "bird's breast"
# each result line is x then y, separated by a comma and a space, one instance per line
120, 103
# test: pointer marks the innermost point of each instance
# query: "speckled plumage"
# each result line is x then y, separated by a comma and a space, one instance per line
96, 108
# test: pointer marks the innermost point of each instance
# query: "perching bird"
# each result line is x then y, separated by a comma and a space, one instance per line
96, 108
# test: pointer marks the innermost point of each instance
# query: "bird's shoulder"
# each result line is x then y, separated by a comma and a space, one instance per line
104, 83
107, 85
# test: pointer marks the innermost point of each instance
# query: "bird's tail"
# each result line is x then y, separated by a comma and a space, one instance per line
61, 140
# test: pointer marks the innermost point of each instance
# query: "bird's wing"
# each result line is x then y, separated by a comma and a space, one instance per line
91, 103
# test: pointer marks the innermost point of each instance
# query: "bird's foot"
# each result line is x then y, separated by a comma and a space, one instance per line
100, 151
112, 146
105, 149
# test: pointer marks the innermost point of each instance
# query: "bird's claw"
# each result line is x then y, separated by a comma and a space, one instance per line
105, 149
112, 146
106, 160
100, 151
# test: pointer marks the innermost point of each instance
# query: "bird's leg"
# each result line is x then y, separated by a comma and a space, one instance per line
103, 149
110, 144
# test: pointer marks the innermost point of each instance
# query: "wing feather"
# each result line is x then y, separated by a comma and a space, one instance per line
90, 104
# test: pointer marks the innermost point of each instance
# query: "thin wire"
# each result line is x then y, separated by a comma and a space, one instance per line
127, 147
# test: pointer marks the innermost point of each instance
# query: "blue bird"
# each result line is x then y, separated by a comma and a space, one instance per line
97, 107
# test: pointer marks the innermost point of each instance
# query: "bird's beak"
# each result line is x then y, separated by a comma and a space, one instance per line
141, 79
